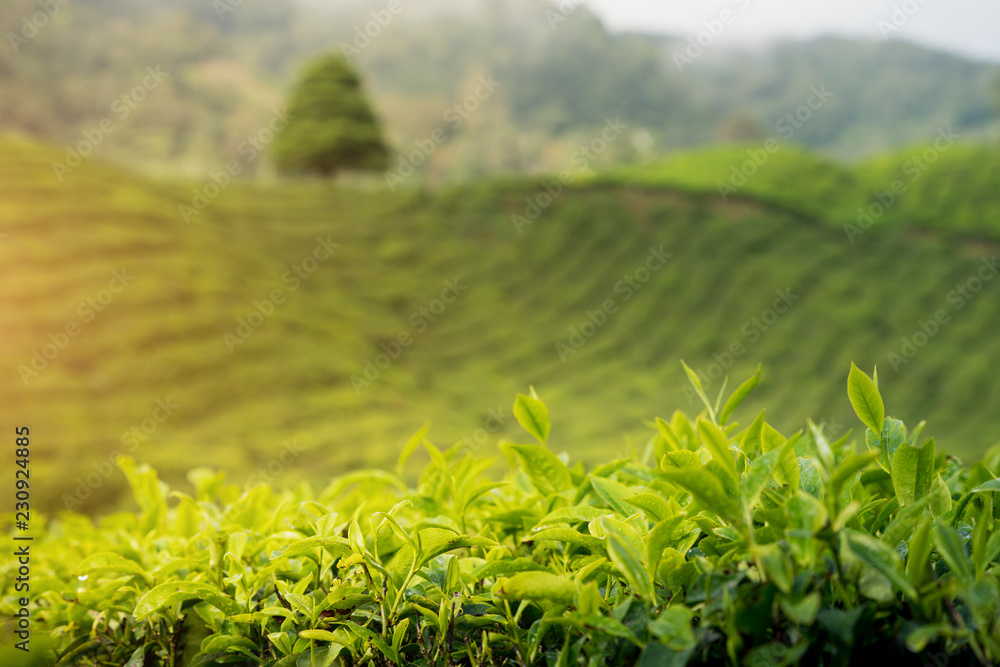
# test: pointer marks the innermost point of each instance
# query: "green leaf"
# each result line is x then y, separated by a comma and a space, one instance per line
172, 592
375, 639
570, 536
787, 471
680, 460
696, 383
667, 432
918, 640
823, 450
912, 471
435, 542
411, 446
750, 444
536, 586
802, 611
604, 625
980, 534
399, 635
659, 538
138, 657
614, 494
718, 444
707, 490
229, 643
949, 544
548, 474
879, 556
673, 628
886, 444
806, 516
106, 561
777, 567
739, 396
918, 553
323, 656
987, 487
655, 507
630, 564
338, 546
761, 470
533, 417
992, 549
903, 524
506, 567
573, 514
848, 469
865, 399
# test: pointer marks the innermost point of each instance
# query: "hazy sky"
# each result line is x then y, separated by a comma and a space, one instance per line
968, 27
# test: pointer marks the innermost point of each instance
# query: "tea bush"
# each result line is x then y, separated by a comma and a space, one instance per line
717, 544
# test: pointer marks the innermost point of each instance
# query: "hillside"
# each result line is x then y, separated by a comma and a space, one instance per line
171, 339
227, 70
948, 186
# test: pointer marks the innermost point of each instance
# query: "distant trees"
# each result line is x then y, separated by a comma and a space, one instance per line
331, 126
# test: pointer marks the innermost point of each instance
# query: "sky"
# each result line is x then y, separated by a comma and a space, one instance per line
968, 27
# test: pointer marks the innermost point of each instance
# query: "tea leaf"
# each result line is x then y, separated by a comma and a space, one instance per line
913, 471
533, 417
738, 396
865, 399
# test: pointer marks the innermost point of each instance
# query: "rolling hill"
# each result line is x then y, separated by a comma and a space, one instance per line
297, 330
227, 70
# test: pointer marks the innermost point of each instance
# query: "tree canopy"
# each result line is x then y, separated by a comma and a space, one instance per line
332, 126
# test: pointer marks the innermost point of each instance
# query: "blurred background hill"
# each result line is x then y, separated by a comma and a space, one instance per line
475, 213
231, 63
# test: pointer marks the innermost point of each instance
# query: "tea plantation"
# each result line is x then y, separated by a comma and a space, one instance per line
717, 543
235, 345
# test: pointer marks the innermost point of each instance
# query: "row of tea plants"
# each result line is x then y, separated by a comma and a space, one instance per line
717, 544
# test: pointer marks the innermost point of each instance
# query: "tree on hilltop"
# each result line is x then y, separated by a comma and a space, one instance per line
331, 125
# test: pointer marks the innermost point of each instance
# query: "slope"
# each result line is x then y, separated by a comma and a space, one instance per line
581, 304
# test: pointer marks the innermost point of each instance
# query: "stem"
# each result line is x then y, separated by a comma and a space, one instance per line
176, 640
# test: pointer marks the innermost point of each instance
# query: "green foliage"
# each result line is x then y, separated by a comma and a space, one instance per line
162, 339
331, 126
947, 190
735, 545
